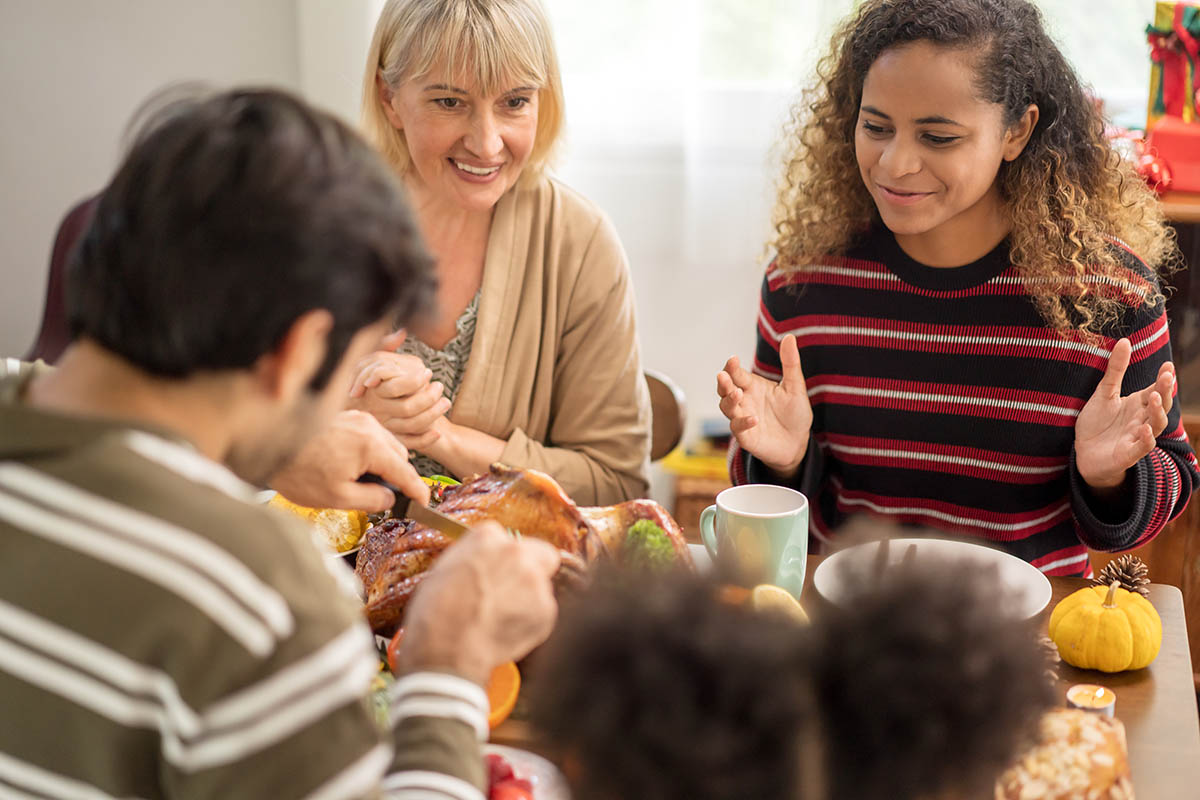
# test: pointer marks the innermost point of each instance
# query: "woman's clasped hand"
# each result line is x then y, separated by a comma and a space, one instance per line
398, 391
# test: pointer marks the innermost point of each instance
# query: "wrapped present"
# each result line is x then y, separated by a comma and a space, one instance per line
1174, 39
1174, 147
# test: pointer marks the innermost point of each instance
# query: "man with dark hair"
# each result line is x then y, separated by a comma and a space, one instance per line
161, 634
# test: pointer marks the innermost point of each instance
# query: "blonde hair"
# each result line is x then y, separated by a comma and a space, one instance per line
493, 41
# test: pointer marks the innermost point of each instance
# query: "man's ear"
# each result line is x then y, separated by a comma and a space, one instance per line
1016, 137
386, 98
286, 371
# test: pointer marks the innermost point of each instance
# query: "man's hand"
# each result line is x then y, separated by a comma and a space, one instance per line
1112, 433
324, 473
487, 600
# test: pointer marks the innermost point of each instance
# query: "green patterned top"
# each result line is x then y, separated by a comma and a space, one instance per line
447, 366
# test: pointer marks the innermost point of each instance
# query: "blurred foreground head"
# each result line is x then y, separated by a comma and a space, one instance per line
232, 215
665, 691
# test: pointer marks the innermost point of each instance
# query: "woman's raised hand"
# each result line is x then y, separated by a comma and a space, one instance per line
1112, 433
396, 389
769, 420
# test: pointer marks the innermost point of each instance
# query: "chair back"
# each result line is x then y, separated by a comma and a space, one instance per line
668, 414
53, 336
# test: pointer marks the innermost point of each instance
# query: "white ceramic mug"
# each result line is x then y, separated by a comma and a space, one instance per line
758, 533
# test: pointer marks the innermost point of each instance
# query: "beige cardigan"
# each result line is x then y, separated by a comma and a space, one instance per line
554, 368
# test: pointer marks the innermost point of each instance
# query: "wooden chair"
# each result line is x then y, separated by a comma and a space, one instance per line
668, 414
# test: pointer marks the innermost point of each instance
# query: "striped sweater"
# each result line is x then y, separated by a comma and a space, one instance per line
942, 400
162, 635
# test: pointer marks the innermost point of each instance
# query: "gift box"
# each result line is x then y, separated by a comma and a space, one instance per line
1175, 145
1174, 39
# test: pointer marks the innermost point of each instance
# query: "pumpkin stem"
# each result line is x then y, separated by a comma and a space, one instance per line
1111, 600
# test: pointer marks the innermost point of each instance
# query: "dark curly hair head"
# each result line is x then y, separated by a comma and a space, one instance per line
667, 692
1068, 194
927, 685
662, 691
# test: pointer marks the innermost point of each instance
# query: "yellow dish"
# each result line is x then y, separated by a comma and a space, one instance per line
341, 528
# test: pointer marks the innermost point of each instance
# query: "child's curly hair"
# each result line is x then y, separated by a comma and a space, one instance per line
662, 692
668, 692
926, 662
1068, 194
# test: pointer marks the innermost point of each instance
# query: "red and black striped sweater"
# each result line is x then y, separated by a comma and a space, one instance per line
941, 399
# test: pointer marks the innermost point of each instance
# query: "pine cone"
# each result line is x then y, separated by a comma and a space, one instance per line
1050, 653
1129, 571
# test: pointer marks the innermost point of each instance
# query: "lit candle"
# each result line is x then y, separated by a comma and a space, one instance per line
1090, 697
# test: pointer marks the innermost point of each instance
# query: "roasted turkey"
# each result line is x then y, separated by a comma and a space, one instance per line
397, 553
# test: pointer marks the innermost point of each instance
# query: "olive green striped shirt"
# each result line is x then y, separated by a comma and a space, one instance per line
164, 635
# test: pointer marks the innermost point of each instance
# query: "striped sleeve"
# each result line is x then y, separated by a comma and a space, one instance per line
1163, 481
441, 722
294, 722
304, 730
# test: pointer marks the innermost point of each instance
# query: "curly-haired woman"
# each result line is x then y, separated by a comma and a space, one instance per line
968, 274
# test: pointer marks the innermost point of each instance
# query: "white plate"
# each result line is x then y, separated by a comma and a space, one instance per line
548, 782
1028, 590
701, 558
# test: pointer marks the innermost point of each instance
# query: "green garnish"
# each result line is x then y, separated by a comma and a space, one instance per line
648, 547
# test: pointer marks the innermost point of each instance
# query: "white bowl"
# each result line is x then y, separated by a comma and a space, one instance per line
1027, 591
700, 558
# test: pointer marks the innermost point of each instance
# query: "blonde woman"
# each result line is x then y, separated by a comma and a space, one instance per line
531, 357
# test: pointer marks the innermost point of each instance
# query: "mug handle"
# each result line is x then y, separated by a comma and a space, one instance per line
707, 534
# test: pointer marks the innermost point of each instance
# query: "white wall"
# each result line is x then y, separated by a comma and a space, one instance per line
334, 38
71, 74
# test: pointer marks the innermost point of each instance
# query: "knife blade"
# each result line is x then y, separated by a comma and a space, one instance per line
431, 518
417, 511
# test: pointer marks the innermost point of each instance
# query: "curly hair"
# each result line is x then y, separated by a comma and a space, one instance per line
1068, 194
665, 693
928, 661
668, 692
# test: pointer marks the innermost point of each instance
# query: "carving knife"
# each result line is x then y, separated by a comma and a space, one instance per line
417, 511
429, 517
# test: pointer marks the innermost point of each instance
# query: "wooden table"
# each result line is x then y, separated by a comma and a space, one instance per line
1156, 704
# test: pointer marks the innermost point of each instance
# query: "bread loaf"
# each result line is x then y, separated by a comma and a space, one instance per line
1079, 756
